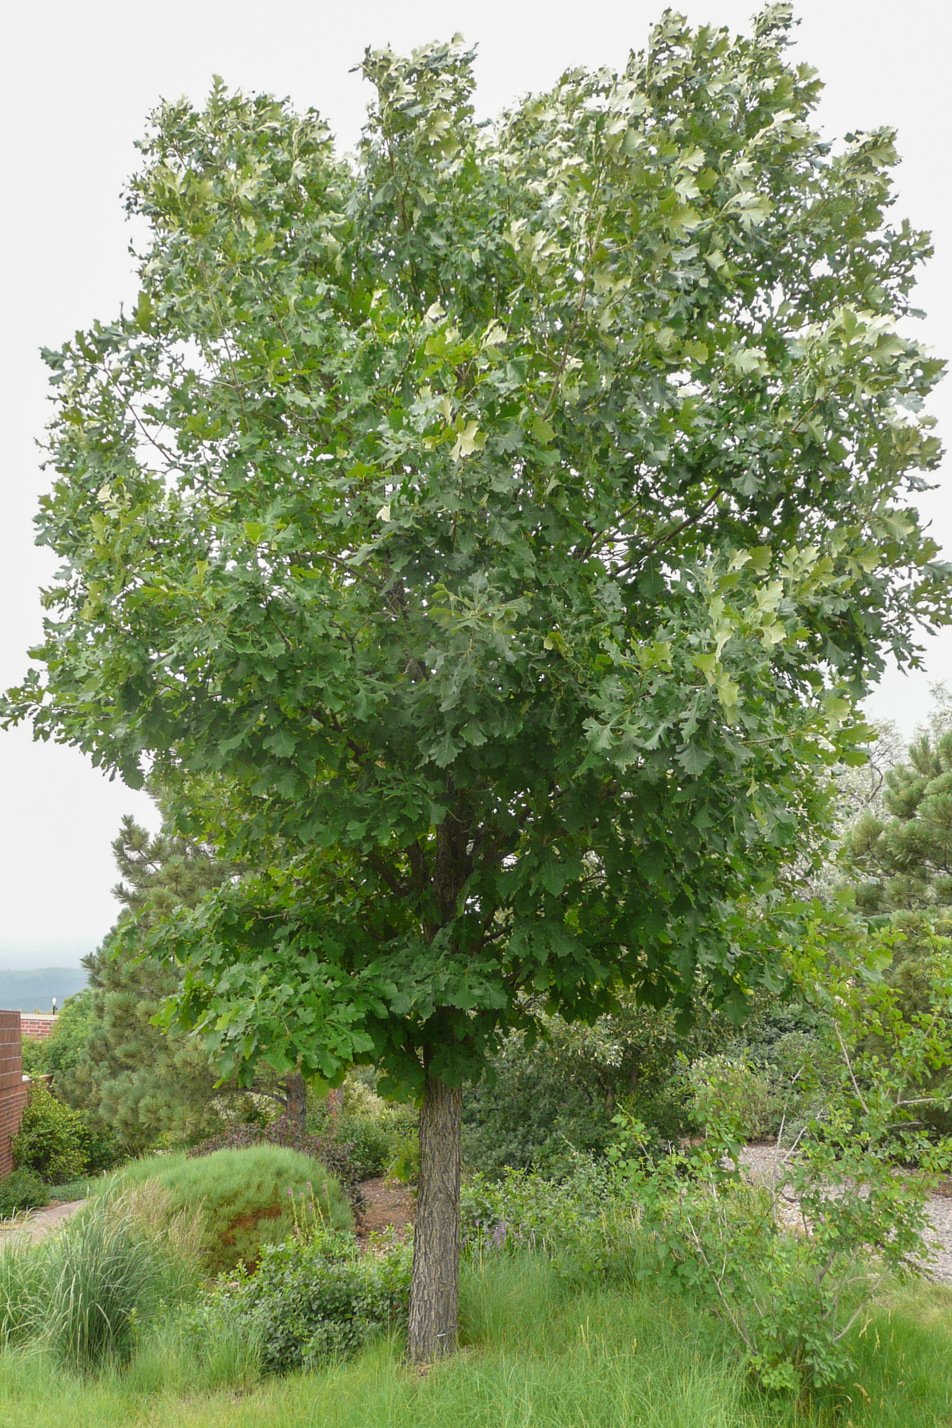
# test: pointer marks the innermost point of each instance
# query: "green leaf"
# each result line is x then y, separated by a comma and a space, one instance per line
468, 439
694, 759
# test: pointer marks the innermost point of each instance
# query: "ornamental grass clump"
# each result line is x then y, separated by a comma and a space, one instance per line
85, 1292
246, 1199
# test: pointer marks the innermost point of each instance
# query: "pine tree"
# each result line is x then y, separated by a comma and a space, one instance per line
901, 860
140, 1079
135, 1077
904, 858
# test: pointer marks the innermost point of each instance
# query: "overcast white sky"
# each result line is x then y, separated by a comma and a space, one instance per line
78, 80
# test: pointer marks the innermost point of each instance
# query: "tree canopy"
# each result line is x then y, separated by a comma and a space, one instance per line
501, 522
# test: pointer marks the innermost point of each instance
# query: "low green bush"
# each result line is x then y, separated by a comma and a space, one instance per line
572, 1219
52, 1139
313, 1298
22, 1190
736, 1083
370, 1135
370, 1145
246, 1198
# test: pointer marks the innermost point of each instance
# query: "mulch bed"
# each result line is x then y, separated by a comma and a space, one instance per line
383, 1205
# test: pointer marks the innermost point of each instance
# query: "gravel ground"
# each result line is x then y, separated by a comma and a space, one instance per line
761, 1162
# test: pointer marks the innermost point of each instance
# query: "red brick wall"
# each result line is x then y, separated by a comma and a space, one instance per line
38, 1025
13, 1088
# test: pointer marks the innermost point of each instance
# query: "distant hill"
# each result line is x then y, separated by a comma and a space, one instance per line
33, 989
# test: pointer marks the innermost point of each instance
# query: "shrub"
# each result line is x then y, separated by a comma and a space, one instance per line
545, 1099
247, 1198
33, 1056
374, 1136
524, 1209
23, 1190
738, 1089
315, 1297
52, 1139
369, 1145
791, 1297
68, 1043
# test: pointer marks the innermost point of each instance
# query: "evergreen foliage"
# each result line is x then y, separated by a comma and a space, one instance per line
132, 1076
904, 857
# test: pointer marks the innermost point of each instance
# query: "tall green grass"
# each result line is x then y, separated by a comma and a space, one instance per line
82, 1294
538, 1351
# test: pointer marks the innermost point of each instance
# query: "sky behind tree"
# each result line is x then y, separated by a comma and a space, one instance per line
79, 83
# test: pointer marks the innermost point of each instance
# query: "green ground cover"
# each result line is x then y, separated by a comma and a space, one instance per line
539, 1351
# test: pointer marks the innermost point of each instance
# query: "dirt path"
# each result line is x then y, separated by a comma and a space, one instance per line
38, 1223
384, 1204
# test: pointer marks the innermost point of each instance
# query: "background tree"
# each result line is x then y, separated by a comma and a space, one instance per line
904, 857
133, 1077
509, 519
66, 1045
547, 1097
898, 859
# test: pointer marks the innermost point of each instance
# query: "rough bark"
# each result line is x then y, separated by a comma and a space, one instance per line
435, 1283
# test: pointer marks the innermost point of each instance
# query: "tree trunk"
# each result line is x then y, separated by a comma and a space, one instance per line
435, 1284
295, 1103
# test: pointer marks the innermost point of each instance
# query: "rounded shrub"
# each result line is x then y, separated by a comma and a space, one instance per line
333, 1155
23, 1190
246, 1198
315, 1298
369, 1144
52, 1139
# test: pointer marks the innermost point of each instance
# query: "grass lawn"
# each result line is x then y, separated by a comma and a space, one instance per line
537, 1354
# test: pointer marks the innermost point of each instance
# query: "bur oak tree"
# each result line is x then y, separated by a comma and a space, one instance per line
507, 518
